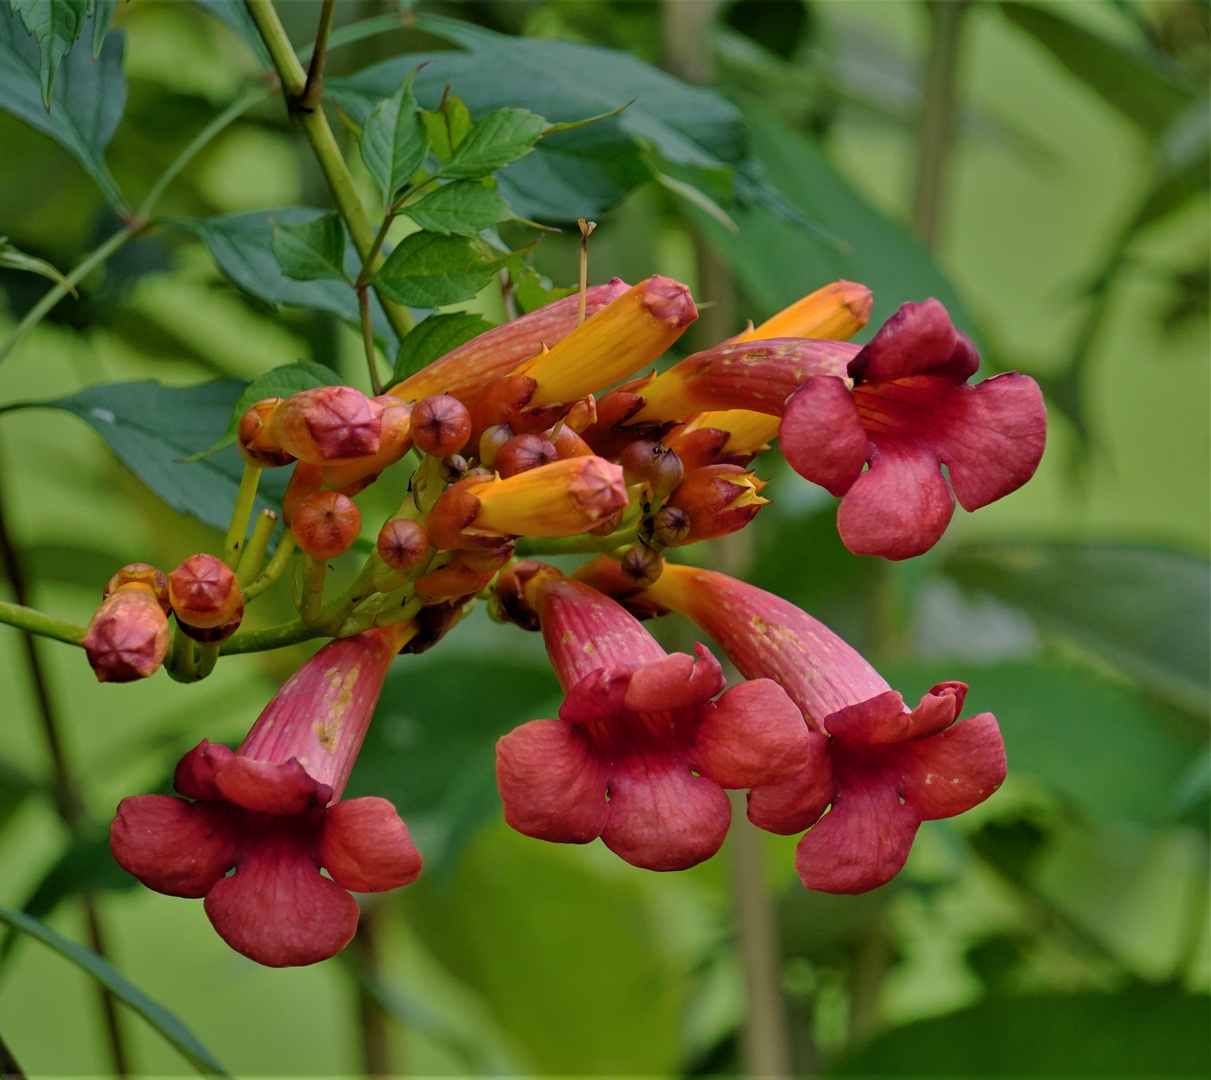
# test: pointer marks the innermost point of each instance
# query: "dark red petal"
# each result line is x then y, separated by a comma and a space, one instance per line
195, 772
790, 806
863, 841
277, 908
955, 770
915, 340
821, 435
662, 817
269, 787
899, 507
754, 734
173, 846
551, 784
676, 681
366, 847
963, 363
884, 719
598, 696
991, 437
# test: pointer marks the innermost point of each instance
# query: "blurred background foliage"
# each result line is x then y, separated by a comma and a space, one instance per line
1060, 928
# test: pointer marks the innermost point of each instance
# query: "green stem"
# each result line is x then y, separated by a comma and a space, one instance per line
323, 144
208, 656
313, 91
315, 573
363, 307
275, 569
35, 622
272, 637
581, 544
253, 555
182, 663
241, 514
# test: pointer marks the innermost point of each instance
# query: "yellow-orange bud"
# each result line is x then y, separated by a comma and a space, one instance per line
127, 637
326, 524
204, 593
402, 544
718, 499
255, 438
329, 423
395, 440
560, 499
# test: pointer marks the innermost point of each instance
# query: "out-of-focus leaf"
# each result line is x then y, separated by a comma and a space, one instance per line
1133, 82
430, 748
15, 259
776, 265
1095, 744
103, 12
55, 25
154, 428
242, 246
433, 338
1143, 1031
15, 788
499, 139
86, 102
1145, 609
71, 564
394, 142
463, 207
164, 1022
428, 270
280, 382
234, 13
311, 250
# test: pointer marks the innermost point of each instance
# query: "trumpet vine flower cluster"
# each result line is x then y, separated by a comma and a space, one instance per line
551, 434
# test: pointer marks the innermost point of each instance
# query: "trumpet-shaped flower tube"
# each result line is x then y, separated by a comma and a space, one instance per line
877, 767
270, 809
641, 753
910, 412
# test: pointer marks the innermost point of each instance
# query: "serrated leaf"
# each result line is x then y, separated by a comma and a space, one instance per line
103, 12
532, 290
429, 270
499, 139
86, 101
432, 338
15, 259
463, 207
55, 26
447, 125
164, 1022
280, 382
395, 142
311, 250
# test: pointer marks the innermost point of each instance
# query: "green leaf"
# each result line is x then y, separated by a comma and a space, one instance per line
311, 250
71, 564
1143, 1031
86, 101
1145, 609
103, 12
160, 1019
394, 141
280, 382
499, 139
432, 338
1133, 82
464, 207
15, 259
428, 270
234, 14
242, 246
15, 788
55, 25
447, 125
153, 429
532, 290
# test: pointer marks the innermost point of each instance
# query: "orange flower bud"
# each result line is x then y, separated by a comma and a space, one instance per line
507, 401
582, 414
719, 499
609, 524
567, 443
620, 339
329, 423
255, 438
524, 452
395, 440
491, 441
671, 526
141, 573
641, 565
204, 593
560, 499
402, 544
326, 524
441, 425
127, 637
464, 575
306, 479
514, 592
698, 446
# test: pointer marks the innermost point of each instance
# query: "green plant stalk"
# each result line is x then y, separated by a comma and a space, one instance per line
253, 556
315, 573
208, 656
182, 664
272, 637
33, 621
581, 544
323, 144
313, 91
275, 569
363, 307
241, 514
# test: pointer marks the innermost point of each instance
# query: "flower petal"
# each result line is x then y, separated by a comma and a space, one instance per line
754, 734
899, 507
195, 772
662, 817
955, 770
916, 339
676, 681
277, 908
598, 696
822, 437
173, 846
863, 841
551, 783
270, 787
884, 719
790, 806
366, 847
992, 436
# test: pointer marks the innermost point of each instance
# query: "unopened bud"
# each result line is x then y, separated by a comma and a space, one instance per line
511, 603
204, 593
141, 573
255, 438
718, 500
608, 524
641, 565
671, 526
127, 637
524, 452
395, 440
402, 544
666, 473
453, 468
328, 423
441, 425
636, 460
560, 499
568, 444
491, 441
305, 480
326, 524
464, 575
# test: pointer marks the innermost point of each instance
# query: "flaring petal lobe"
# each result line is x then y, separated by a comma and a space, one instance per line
195, 772
949, 773
884, 719
914, 341
754, 734
676, 681
366, 847
821, 435
270, 787
173, 846
790, 806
